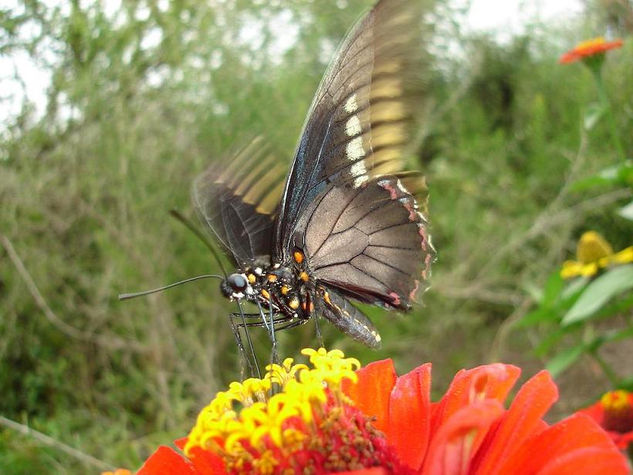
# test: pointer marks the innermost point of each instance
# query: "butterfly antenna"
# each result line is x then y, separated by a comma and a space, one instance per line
165, 287
194, 229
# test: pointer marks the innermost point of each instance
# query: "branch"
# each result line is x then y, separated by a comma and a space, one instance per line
47, 440
109, 341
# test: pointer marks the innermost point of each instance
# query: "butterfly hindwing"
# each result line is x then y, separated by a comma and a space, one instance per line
369, 242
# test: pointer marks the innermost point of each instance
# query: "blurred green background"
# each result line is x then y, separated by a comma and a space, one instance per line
143, 97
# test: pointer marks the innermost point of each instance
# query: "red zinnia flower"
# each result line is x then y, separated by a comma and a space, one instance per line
589, 48
614, 412
469, 431
374, 422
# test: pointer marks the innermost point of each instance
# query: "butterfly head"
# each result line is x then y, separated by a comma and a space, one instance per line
236, 286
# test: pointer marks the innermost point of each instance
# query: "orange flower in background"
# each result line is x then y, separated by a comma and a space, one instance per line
373, 422
589, 48
614, 412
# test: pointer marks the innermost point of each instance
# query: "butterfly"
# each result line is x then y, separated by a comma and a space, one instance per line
345, 224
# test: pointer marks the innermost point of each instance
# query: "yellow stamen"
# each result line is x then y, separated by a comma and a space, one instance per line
615, 400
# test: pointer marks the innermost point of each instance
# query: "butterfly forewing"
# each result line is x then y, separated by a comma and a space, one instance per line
238, 199
360, 121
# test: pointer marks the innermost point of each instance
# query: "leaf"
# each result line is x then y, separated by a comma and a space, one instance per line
536, 293
537, 316
620, 174
619, 306
593, 114
627, 211
599, 292
549, 341
553, 288
565, 359
575, 287
554, 300
626, 384
594, 181
625, 172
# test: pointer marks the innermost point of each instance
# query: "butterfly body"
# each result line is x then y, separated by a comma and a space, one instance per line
348, 222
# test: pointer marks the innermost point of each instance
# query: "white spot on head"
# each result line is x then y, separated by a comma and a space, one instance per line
351, 105
353, 127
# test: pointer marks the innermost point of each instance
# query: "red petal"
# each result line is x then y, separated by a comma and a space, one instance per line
203, 460
166, 461
589, 462
595, 411
492, 381
410, 416
206, 462
372, 391
366, 471
453, 446
622, 441
574, 445
522, 420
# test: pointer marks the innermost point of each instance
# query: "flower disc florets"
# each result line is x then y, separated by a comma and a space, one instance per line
294, 419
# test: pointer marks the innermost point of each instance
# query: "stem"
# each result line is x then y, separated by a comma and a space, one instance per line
606, 369
606, 104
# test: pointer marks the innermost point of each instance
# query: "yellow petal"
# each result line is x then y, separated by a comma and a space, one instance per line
592, 247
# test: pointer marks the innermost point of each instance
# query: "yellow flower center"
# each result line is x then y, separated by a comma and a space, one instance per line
618, 411
591, 43
296, 418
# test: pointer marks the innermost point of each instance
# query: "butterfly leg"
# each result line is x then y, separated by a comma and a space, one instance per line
258, 323
291, 323
318, 331
252, 359
270, 326
240, 346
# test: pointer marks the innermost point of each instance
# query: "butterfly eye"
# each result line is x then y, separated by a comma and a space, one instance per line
237, 282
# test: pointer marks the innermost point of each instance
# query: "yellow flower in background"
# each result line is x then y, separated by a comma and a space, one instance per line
594, 253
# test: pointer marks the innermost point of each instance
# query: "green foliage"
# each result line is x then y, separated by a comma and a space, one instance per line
598, 293
141, 100
572, 311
